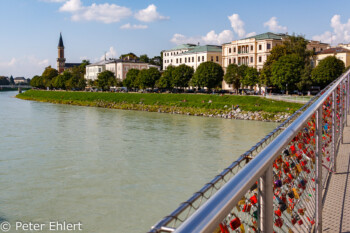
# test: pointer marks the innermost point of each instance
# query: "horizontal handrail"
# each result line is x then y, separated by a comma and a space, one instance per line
208, 216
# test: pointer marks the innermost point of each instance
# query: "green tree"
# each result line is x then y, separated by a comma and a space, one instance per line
60, 80
305, 78
12, 81
327, 70
130, 80
38, 82
235, 75
4, 81
148, 77
166, 80
208, 74
144, 58
251, 77
83, 65
47, 76
286, 71
105, 80
131, 56
182, 75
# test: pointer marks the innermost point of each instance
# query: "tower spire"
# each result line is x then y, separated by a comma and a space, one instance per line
60, 42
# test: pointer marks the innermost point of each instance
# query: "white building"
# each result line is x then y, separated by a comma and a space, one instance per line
191, 55
119, 67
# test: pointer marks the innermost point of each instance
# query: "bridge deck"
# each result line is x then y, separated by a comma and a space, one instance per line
336, 210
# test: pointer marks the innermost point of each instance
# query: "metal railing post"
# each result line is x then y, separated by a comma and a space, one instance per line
341, 110
266, 201
334, 116
319, 170
347, 100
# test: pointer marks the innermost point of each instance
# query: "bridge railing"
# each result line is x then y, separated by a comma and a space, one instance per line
281, 189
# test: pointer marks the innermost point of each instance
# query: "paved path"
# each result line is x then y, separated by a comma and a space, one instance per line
336, 210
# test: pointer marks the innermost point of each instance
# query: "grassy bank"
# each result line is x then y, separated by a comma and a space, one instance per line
191, 104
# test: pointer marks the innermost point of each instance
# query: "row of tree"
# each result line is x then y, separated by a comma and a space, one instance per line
72, 79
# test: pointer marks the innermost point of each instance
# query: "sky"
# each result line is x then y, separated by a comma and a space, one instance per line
90, 28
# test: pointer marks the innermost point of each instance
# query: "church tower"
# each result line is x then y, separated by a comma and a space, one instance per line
60, 60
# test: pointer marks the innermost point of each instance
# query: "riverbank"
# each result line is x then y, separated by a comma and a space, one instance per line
227, 106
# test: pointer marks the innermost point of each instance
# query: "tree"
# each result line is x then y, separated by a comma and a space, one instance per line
12, 81
235, 74
144, 58
166, 80
208, 74
60, 81
4, 81
182, 75
131, 56
305, 78
148, 77
327, 70
105, 80
38, 82
286, 71
47, 76
251, 77
83, 65
130, 80
291, 45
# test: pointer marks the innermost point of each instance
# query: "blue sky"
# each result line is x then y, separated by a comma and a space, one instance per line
30, 28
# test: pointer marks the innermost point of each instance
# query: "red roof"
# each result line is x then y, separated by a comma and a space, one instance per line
334, 50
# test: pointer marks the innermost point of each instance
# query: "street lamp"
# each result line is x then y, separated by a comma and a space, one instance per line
286, 88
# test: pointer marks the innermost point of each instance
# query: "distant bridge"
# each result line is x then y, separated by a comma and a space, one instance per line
15, 86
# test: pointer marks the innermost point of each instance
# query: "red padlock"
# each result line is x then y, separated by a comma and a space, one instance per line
278, 212
223, 228
235, 223
300, 222
253, 200
247, 207
279, 222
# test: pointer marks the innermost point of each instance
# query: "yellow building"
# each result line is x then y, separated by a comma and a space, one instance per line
251, 51
339, 52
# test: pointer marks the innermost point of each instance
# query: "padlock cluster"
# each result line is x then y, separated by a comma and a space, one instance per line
294, 183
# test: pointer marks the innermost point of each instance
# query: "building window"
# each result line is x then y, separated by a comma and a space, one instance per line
260, 59
180, 60
251, 60
202, 58
229, 61
199, 58
234, 49
268, 46
192, 59
177, 60
251, 47
234, 60
171, 60
259, 46
229, 50
217, 58
185, 59
211, 58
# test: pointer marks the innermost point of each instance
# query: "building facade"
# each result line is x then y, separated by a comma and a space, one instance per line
119, 67
317, 46
192, 55
338, 52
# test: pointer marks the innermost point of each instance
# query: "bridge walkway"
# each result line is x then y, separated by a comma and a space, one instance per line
336, 209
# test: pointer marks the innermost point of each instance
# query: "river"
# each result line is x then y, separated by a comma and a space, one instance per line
112, 170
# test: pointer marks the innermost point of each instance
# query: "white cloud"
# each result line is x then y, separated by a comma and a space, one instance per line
111, 53
340, 33
106, 13
150, 14
222, 37
27, 66
134, 26
250, 34
237, 24
273, 26
210, 38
